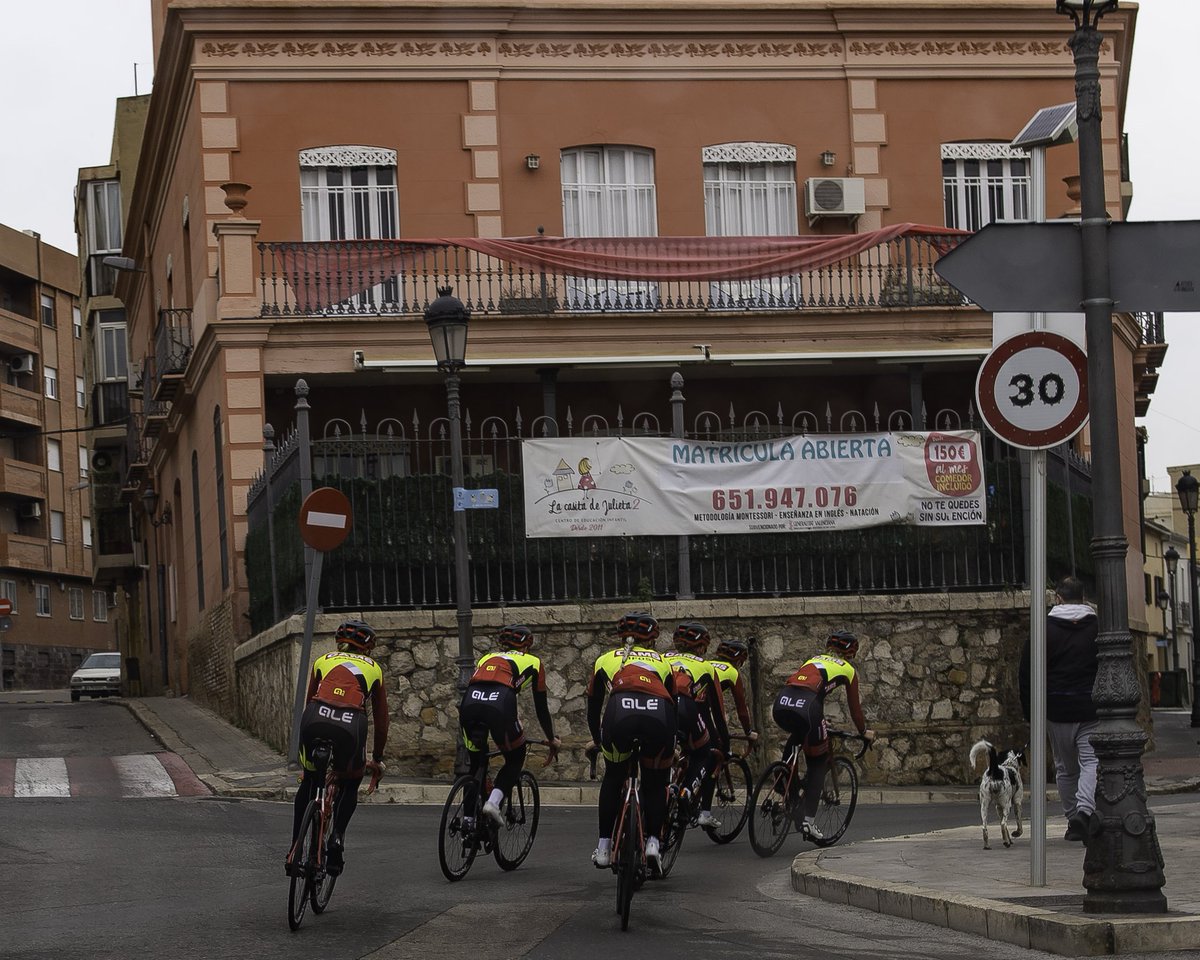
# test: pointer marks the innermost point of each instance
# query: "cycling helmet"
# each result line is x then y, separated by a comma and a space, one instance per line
516, 636
735, 651
843, 642
356, 634
639, 626
691, 637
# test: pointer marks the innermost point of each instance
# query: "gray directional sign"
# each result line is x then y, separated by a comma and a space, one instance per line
1036, 267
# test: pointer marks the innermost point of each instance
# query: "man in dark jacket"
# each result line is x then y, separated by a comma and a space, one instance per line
1071, 665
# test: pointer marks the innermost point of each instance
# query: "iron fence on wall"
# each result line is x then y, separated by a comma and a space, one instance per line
400, 552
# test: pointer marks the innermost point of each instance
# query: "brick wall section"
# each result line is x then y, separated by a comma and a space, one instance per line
938, 672
211, 663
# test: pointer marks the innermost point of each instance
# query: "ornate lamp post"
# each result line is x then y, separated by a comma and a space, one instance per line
1164, 601
1123, 868
1188, 488
1171, 556
447, 320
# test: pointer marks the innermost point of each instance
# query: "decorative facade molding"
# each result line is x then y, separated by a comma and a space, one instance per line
959, 48
749, 153
660, 50
348, 156
982, 151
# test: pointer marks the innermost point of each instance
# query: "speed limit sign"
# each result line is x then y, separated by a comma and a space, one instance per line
1032, 390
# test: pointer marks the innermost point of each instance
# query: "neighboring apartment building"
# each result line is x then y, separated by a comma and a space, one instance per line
621, 131
118, 551
46, 532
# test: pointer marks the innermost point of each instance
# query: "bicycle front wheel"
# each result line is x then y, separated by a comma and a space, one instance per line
838, 800
457, 843
674, 827
731, 801
771, 810
514, 838
303, 862
322, 886
627, 866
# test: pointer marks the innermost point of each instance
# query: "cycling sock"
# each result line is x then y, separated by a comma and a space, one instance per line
603, 844
495, 797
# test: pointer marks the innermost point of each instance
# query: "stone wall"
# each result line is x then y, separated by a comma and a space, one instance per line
212, 678
938, 671
34, 667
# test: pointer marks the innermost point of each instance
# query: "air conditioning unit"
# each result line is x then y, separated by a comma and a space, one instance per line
834, 197
21, 363
30, 511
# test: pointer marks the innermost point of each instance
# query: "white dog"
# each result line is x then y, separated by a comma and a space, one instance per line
1000, 784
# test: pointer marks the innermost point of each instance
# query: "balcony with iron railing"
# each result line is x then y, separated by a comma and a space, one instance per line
137, 454
172, 350
888, 269
110, 404
154, 408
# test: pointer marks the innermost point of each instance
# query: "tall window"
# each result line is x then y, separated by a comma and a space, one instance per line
222, 531
50, 376
196, 530
86, 525
83, 463
58, 526
47, 310
608, 191
349, 193
41, 592
104, 216
80, 393
983, 183
54, 455
76, 322
8, 590
750, 191
99, 606
75, 603
112, 354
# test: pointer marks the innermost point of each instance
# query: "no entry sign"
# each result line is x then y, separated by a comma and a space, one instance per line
325, 519
1032, 390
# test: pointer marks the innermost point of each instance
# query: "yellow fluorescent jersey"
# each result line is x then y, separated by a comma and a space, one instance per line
697, 668
642, 670
344, 680
727, 673
512, 668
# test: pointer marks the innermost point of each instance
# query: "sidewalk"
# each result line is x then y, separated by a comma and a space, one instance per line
943, 878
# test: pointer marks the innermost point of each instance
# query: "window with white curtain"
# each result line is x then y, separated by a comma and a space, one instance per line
983, 183
608, 191
750, 191
349, 193
112, 354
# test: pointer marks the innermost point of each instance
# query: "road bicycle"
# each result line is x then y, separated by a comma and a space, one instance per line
628, 834
309, 879
465, 830
778, 800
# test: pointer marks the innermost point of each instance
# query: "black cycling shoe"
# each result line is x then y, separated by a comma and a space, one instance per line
334, 859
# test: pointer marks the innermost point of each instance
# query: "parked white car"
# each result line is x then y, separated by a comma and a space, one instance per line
98, 676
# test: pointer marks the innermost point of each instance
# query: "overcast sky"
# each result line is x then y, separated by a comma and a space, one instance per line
64, 62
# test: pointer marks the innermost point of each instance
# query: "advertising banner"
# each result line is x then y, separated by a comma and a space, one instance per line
635, 486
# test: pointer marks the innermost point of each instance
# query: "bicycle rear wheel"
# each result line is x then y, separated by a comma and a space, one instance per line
457, 845
300, 882
771, 811
731, 801
322, 887
838, 800
627, 865
514, 839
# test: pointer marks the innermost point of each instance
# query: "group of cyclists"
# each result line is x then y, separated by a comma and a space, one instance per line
637, 697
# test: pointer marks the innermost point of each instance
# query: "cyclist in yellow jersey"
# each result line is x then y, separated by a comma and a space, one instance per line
699, 713
640, 707
343, 689
729, 662
489, 706
800, 710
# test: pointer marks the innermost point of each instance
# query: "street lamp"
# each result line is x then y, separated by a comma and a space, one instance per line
447, 320
1164, 602
1123, 868
1188, 488
1171, 556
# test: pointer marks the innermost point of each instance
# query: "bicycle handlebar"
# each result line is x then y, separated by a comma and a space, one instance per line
842, 735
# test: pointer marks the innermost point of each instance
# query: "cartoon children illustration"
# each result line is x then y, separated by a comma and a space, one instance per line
586, 482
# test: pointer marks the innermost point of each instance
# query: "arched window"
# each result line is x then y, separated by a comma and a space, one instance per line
608, 191
196, 528
222, 524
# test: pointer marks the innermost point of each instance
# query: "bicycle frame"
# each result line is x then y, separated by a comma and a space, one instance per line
632, 790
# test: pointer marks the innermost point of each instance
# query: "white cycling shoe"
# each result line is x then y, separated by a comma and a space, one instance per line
653, 856
706, 819
811, 831
602, 858
492, 812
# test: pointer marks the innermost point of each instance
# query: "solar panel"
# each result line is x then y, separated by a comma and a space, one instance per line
1050, 126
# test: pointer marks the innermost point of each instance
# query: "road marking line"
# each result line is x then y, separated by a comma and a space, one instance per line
41, 777
143, 776
187, 784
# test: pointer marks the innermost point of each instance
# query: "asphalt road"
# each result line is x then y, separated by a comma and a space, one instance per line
97, 878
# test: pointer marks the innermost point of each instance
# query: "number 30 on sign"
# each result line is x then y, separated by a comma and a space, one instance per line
1032, 390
